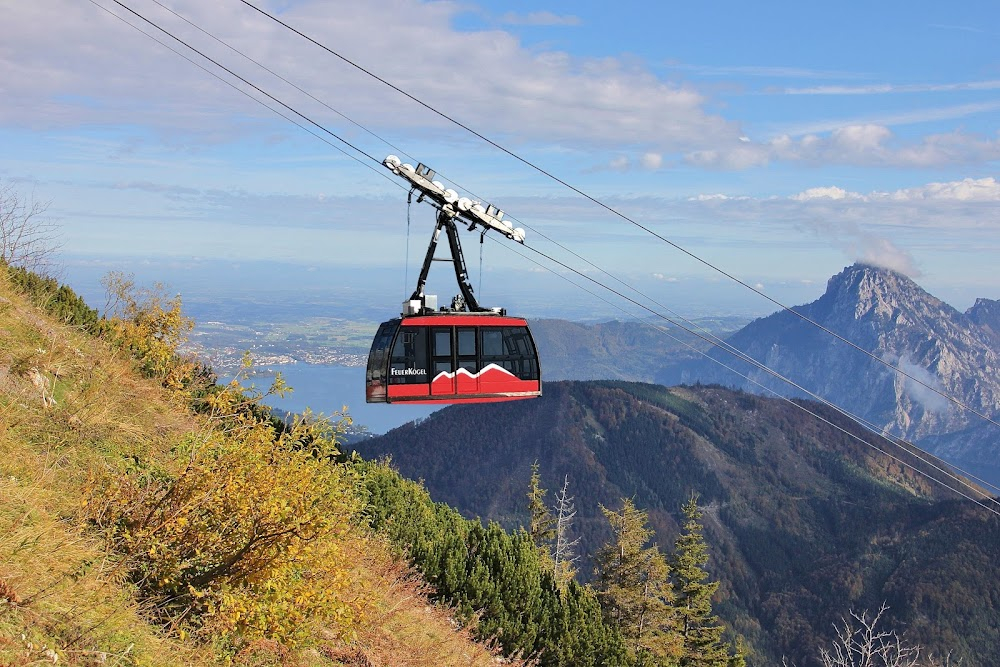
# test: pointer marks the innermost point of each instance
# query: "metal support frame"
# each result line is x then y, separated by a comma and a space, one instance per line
450, 206
446, 221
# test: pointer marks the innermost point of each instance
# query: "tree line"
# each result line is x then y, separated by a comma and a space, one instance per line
519, 589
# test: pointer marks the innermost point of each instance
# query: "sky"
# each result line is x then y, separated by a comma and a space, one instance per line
776, 141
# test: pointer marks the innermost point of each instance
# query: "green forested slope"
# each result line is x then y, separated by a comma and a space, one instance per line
805, 522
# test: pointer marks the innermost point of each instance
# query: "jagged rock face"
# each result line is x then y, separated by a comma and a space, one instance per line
986, 313
890, 317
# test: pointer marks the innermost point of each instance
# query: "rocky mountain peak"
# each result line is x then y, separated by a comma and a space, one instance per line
937, 350
868, 290
986, 313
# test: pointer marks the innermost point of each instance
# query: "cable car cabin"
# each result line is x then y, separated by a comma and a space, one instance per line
453, 357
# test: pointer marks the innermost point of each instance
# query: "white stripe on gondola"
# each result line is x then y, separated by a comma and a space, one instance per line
465, 371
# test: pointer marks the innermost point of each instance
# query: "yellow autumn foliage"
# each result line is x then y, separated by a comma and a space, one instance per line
242, 541
110, 484
239, 539
150, 327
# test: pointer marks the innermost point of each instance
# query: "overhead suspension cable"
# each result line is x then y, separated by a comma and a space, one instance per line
912, 450
244, 80
715, 341
290, 83
244, 92
952, 399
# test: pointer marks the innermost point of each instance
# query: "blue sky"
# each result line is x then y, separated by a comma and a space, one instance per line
780, 141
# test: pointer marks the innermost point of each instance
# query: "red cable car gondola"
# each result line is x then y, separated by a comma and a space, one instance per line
458, 354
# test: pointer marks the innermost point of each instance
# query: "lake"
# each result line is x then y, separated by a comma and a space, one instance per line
327, 388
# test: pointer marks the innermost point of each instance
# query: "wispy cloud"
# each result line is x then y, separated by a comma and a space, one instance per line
764, 71
867, 145
891, 88
922, 385
914, 117
542, 18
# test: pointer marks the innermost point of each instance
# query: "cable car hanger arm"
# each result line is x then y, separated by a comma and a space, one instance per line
446, 221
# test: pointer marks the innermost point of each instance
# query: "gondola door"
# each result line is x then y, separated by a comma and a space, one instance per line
444, 381
467, 362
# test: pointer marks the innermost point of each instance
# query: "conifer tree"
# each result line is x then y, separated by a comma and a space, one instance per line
701, 630
542, 527
634, 589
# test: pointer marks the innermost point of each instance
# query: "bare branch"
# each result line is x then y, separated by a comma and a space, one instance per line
28, 238
861, 643
564, 555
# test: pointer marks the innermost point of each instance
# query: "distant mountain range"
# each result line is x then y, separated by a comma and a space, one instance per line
889, 316
806, 519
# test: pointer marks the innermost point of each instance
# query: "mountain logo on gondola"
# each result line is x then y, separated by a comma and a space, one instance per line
465, 381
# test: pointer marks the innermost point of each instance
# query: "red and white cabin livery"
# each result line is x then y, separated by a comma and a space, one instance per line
450, 357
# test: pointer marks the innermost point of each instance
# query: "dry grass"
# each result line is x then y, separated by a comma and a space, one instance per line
62, 596
404, 629
69, 407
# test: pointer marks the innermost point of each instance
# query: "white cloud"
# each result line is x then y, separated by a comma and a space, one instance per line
739, 155
985, 189
831, 192
967, 190
923, 386
652, 160
860, 138
711, 197
620, 163
877, 250
859, 145
540, 19
68, 63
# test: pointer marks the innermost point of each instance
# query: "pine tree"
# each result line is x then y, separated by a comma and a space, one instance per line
700, 628
542, 527
634, 588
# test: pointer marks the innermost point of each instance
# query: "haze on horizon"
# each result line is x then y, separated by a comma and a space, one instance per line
779, 143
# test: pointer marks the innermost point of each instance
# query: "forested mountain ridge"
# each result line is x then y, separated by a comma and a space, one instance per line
895, 320
804, 521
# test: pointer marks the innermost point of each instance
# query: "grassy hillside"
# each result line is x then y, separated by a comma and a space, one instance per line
134, 527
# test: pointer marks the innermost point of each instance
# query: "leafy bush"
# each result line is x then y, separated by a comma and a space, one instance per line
151, 328
242, 542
